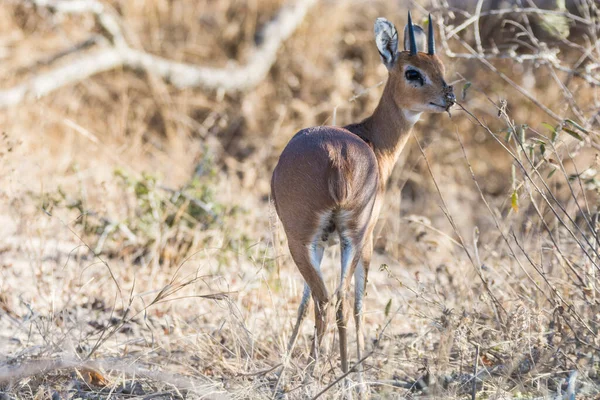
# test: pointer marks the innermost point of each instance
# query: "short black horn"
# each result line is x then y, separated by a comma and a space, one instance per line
430, 39
411, 36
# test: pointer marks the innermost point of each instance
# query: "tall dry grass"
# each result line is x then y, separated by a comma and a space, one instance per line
139, 253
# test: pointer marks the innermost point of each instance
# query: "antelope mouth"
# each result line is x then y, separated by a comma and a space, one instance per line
440, 106
445, 107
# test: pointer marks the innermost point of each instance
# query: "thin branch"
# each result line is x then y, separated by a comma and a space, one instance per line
76, 71
548, 56
474, 389
509, 81
359, 362
497, 222
541, 53
538, 190
531, 10
477, 17
107, 19
496, 304
181, 75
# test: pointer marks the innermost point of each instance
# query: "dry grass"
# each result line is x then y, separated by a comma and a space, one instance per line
139, 253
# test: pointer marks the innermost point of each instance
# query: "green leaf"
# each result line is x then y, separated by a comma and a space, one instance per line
550, 127
556, 25
521, 129
531, 155
576, 125
573, 133
388, 306
141, 189
542, 148
554, 129
464, 89
551, 173
573, 177
514, 201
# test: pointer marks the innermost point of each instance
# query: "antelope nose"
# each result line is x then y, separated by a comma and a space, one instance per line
449, 96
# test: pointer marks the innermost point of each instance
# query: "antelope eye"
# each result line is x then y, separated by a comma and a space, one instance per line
413, 76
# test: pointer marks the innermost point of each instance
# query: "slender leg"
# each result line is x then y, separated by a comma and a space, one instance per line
342, 322
320, 328
321, 302
342, 315
347, 253
302, 311
308, 259
360, 285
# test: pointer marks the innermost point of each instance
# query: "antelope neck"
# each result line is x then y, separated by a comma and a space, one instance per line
387, 131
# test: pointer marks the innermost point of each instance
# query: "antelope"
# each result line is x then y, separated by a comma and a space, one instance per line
331, 180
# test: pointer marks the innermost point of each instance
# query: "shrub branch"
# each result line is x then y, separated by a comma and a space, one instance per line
181, 75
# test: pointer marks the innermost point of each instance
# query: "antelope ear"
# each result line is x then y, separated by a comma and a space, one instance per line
386, 38
420, 38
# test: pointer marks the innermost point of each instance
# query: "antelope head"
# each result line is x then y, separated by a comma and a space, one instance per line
416, 75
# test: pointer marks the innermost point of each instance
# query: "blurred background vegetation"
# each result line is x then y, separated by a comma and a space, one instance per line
139, 249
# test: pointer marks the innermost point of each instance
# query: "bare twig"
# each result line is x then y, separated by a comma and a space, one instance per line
540, 51
548, 56
181, 75
344, 375
529, 10
359, 362
496, 304
199, 386
477, 17
497, 222
474, 390
105, 17
539, 190
510, 81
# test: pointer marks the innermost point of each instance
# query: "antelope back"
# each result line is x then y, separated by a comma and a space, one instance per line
323, 169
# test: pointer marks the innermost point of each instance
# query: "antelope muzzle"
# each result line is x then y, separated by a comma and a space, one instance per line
449, 97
